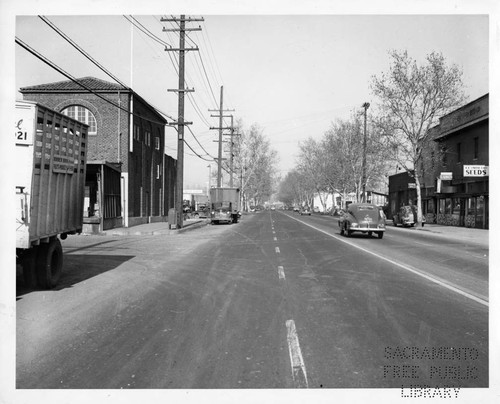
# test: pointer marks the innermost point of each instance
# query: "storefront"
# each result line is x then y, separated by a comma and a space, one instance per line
455, 184
461, 192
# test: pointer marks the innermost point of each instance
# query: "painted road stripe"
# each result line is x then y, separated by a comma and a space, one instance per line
277, 249
275, 239
440, 282
298, 368
281, 272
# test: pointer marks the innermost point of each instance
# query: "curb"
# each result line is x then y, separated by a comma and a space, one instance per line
131, 232
184, 229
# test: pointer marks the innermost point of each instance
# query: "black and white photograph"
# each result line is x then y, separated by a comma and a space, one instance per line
219, 202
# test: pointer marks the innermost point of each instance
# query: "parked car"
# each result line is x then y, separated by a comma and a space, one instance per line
305, 211
406, 216
362, 217
203, 212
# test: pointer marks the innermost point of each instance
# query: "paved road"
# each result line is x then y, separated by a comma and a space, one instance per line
275, 301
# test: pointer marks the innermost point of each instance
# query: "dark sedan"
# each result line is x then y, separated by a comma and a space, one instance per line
362, 217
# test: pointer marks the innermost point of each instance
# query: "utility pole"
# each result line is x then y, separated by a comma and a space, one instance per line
220, 128
219, 155
180, 121
366, 105
231, 151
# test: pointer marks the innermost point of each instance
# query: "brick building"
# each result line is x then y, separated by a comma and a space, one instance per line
455, 183
130, 180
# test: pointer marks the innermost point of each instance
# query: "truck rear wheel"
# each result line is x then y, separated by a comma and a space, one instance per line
49, 264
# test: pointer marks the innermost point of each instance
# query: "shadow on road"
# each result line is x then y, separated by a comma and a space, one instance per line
79, 268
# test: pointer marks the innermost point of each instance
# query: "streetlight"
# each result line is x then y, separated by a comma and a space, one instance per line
366, 105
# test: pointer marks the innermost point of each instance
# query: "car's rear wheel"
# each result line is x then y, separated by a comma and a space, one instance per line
380, 234
341, 230
348, 232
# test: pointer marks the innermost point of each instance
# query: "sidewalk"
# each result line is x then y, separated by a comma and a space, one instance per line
157, 228
478, 236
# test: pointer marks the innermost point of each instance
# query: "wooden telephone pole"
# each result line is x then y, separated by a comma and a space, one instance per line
220, 128
180, 121
231, 155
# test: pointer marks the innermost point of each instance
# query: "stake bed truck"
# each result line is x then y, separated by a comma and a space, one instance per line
51, 158
224, 203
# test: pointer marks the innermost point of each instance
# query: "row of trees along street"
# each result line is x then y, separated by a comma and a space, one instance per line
254, 165
410, 99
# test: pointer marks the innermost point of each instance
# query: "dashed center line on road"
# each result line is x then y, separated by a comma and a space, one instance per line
299, 373
281, 272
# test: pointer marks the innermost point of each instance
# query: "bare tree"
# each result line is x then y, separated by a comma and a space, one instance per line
312, 161
257, 163
295, 189
412, 98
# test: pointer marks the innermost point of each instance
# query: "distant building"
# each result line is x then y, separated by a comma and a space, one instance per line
455, 184
129, 179
335, 201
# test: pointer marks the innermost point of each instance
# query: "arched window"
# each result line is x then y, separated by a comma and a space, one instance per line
82, 114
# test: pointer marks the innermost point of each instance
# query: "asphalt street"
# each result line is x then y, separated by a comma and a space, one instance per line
275, 301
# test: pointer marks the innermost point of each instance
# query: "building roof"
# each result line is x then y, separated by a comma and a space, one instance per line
70, 86
91, 84
469, 114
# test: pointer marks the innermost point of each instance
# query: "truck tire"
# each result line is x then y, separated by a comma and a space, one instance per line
28, 262
49, 264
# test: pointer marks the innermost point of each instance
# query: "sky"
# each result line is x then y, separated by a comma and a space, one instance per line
293, 75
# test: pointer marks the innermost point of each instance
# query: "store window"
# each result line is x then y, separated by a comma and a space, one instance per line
82, 114
471, 205
445, 206
456, 206
430, 206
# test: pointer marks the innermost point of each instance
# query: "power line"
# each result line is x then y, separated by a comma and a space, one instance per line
76, 81
141, 27
79, 49
195, 138
89, 57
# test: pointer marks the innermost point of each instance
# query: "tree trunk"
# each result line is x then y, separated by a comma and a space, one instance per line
419, 200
